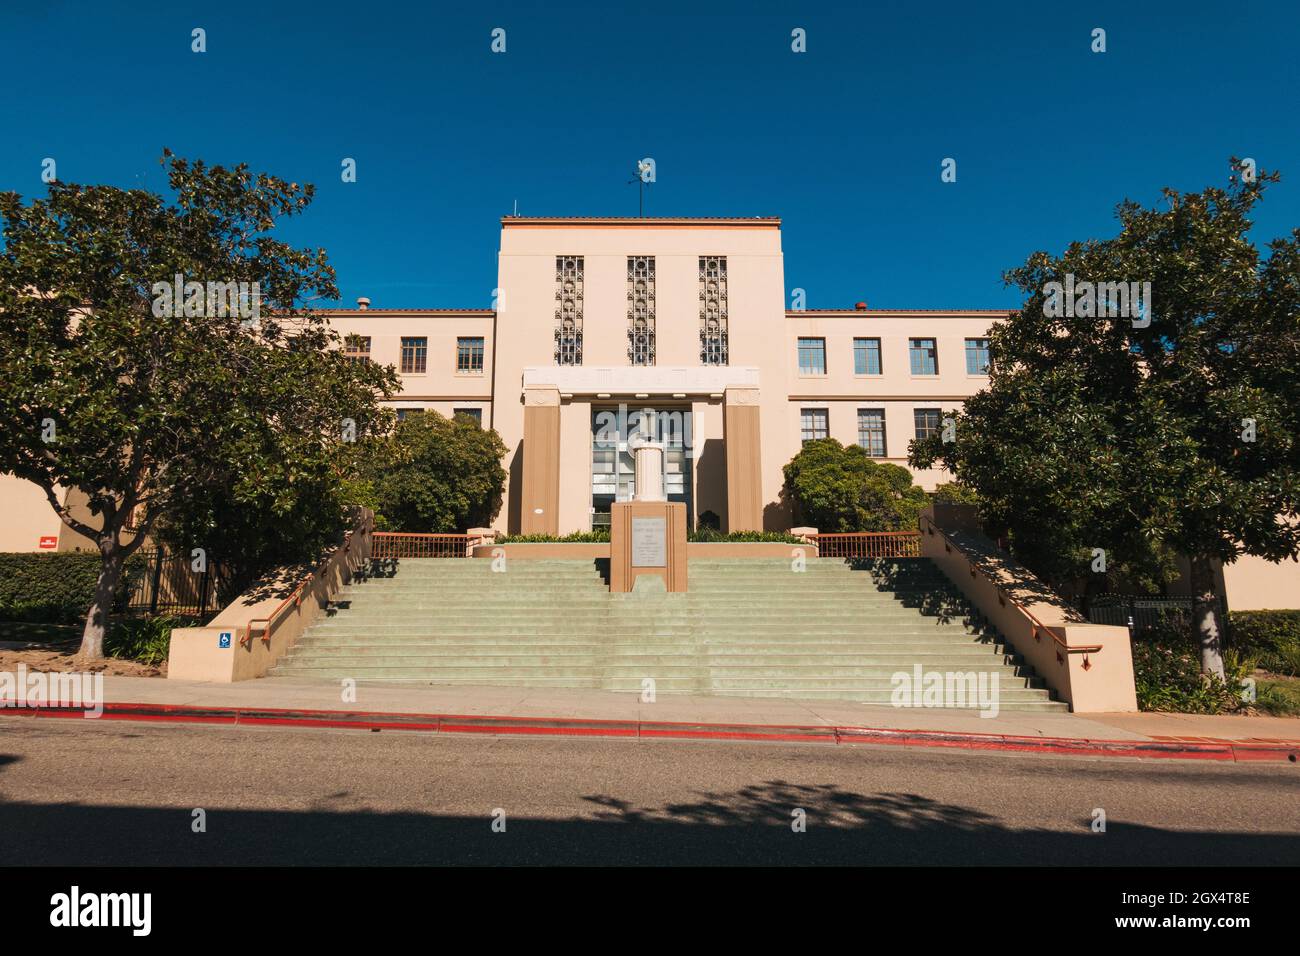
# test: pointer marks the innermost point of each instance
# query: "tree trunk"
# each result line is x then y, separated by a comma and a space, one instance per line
1206, 625
92, 635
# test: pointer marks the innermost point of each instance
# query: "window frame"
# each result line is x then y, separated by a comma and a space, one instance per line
879, 351
468, 352
976, 351
884, 432
799, 351
419, 355
358, 353
913, 349
811, 412
916, 425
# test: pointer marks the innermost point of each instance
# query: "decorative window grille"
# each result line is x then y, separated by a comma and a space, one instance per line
568, 310
713, 310
641, 310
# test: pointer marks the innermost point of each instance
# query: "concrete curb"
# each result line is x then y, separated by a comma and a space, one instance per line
638, 729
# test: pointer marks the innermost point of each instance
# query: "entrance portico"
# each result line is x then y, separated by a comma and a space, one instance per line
562, 403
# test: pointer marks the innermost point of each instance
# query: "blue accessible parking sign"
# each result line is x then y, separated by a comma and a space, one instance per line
223, 639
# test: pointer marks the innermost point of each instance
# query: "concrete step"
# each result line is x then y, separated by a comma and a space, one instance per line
837, 630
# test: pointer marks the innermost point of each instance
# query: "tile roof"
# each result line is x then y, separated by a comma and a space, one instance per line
643, 220
797, 312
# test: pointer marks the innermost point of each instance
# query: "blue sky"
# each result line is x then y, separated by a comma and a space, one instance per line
844, 142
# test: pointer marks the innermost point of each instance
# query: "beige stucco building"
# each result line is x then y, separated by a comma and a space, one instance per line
597, 320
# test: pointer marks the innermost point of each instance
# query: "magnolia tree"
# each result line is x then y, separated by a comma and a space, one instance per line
159, 355
1142, 404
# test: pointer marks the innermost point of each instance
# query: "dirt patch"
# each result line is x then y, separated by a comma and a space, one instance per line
62, 656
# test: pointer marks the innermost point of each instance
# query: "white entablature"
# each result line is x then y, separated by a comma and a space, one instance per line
635, 380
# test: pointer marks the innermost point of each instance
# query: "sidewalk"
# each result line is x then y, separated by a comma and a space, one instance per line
505, 710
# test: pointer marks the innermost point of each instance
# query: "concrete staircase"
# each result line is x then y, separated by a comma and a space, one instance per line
749, 628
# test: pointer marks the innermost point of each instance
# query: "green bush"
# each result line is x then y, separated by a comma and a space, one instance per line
838, 488
600, 536
712, 534
436, 474
54, 588
1167, 673
1272, 637
143, 639
1281, 698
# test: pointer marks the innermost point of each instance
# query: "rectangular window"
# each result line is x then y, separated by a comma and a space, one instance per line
469, 354
474, 413
812, 356
871, 431
927, 421
925, 356
404, 413
813, 424
415, 352
866, 356
356, 348
977, 356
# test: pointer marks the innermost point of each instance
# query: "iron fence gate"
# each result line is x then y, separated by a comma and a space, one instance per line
163, 583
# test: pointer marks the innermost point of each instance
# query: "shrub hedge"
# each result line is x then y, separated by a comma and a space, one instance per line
1167, 672
1271, 637
602, 537
741, 537
53, 588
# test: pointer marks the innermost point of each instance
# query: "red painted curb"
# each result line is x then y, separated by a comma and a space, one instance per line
680, 730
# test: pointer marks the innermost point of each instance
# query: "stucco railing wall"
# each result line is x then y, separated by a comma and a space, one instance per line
258, 628
1089, 666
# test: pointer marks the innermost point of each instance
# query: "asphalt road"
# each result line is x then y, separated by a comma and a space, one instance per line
88, 793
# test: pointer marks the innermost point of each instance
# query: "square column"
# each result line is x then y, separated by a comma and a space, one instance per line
744, 460
539, 499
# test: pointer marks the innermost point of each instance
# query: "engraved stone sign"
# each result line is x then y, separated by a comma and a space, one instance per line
649, 543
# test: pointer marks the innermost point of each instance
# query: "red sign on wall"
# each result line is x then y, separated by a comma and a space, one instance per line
49, 541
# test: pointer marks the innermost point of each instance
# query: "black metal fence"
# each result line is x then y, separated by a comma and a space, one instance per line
1138, 611
162, 583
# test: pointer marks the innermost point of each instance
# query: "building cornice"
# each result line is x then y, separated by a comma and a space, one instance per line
633, 222
900, 313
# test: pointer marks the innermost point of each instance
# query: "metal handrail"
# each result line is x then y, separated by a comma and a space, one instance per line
295, 597
1004, 597
826, 540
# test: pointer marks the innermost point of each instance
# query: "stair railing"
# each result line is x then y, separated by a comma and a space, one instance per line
1039, 628
354, 561
868, 544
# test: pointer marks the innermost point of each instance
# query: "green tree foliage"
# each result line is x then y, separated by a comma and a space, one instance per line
1174, 432
838, 488
955, 493
174, 418
438, 475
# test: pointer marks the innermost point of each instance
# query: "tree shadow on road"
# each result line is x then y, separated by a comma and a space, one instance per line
751, 825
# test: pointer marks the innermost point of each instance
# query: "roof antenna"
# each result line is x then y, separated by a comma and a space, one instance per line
516, 208
645, 174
